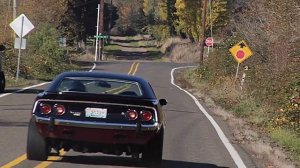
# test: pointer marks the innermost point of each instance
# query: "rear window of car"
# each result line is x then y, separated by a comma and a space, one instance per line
100, 86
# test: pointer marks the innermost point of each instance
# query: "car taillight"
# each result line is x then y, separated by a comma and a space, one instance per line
146, 115
59, 109
132, 114
45, 108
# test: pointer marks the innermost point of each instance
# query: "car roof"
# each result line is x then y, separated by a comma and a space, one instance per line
99, 74
145, 86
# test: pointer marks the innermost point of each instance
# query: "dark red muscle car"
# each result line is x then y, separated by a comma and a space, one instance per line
97, 112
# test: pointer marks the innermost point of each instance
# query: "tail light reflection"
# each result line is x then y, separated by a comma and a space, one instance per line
146, 115
45, 108
132, 114
59, 109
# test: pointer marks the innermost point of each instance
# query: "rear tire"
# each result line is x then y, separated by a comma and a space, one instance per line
154, 151
2, 82
37, 147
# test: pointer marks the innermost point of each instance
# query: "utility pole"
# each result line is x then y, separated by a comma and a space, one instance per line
110, 18
15, 9
97, 34
202, 38
101, 28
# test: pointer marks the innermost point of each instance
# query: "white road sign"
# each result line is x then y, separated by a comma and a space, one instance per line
17, 43
16, 25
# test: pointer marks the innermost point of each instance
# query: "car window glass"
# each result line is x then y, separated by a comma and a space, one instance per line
100, 86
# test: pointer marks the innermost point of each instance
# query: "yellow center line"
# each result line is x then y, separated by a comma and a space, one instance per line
136, 68
131, 68
15, 162
127, 87
131, 71
115, 89
51, 159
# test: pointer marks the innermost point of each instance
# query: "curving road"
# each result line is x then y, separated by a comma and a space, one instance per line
191, 141
194, 137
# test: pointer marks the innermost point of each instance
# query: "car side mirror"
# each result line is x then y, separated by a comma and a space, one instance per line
2, 48
163, 102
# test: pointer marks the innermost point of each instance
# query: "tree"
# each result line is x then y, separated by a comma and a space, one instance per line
171, 16
131, 17
149, 9
189, 18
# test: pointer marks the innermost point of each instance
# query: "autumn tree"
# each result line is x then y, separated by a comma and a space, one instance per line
189, 16
183, 17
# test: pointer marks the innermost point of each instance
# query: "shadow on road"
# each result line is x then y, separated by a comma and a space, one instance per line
129, 162
27, 91
127, 55
139, 46
183, 164
128, 41
90, 63
13, 124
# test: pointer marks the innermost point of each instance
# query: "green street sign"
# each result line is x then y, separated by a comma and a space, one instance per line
101, 36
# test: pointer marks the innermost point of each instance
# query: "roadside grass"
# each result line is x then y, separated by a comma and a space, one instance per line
258, 102
150, 45
112, 47
11, 82
131, 38
234, 100
245, 108
27, 79
288, 140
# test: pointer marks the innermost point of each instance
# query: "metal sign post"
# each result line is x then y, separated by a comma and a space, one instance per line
237, 71
19, 56
211, 23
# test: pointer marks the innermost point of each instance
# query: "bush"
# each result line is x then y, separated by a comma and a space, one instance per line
160, 32
9, 62
45, 58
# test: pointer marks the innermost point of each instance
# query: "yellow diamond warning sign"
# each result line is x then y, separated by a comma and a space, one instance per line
240, 51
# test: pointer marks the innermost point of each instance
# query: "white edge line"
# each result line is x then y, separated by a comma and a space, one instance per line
233, 153
21, 90
41, 84
93, 68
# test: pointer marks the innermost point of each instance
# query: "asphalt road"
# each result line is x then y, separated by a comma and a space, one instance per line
191, 141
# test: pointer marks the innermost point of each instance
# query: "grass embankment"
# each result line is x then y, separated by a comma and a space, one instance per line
143, 42
112, 47
139, 47
269, 101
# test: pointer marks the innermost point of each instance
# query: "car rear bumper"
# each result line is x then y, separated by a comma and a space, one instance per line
102, 133
101, 125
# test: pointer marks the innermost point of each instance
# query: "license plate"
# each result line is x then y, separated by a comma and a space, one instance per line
96, 112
